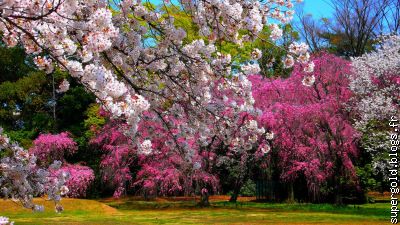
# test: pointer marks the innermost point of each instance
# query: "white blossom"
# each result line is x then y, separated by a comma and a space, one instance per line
63, 87
308, 80
309, 68
269, 136
146, 147
250, 69
5, 221
256, 54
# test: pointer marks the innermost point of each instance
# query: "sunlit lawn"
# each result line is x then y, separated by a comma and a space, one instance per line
133, 211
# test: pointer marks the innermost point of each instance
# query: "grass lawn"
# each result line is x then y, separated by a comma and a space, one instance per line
178, 211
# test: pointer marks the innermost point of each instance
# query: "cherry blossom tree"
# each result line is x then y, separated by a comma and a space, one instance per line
375, 82
111, 56
136, 59
313, 134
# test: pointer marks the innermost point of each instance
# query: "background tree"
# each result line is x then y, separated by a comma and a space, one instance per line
355, 26
312, 30
376, 86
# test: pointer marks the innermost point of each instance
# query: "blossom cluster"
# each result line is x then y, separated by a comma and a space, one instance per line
105, 52
21, 178
79, 180
53, 147
376, 83
5, 221
63, 87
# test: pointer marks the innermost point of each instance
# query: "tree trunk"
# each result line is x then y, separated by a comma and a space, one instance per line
204, 198
290, 193
338, 195
235, 193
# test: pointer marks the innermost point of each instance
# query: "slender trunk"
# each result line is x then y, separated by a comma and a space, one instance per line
338, 199
290, 193
204, 198
54, 106
338, 195
235, 193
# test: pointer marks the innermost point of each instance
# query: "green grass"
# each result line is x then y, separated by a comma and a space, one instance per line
129, 211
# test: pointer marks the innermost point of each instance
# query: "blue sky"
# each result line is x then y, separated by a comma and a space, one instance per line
318, 8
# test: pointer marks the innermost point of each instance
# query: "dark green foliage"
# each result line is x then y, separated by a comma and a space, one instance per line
248, 189
13, 64
27, 100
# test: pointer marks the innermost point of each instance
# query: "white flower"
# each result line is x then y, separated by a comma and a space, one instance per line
63, 87
276, 32
288, 62
196, 165
250, 69
86, 55
308, 80
64, 190
252, 125
69, 46
256, 54
298, 48
265, 149
5, 221
253, 138
115, 89
74, 68
269, 135
309, 68
44, 63
146, 147
261, 130
303, 58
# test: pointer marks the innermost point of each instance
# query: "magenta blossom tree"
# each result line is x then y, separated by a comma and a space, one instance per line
54, 147
118, 155
313, 134
174, 162
49, 147
80, 178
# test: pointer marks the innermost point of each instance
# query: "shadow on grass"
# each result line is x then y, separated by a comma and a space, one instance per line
377, 210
